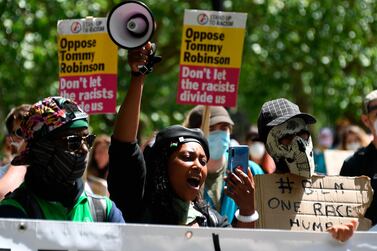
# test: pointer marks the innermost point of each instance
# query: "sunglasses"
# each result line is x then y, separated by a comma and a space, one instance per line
17, 133
74, 142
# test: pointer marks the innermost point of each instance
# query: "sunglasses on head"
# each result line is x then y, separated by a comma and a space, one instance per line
74, 142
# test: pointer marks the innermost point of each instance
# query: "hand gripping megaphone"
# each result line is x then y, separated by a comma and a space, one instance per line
130, 25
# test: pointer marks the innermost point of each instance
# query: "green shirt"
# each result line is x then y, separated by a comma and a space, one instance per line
56, 211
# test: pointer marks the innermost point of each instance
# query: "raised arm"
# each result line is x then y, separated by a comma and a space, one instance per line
127, 170
127, 122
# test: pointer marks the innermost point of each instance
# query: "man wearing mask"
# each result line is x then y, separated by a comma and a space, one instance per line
285, 131
257, 151
57, 143
220, 127
364, 160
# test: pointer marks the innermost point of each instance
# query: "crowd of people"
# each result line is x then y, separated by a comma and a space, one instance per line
56, 169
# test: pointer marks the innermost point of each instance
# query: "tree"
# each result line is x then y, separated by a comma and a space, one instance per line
320, 54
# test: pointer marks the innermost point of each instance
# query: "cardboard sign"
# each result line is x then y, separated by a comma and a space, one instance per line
211, 55
288, 201
27, 235
334, 160
88, 63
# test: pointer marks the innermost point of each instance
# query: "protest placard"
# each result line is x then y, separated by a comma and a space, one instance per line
88, 63
288, 201
334, 160
211, 55
28, 235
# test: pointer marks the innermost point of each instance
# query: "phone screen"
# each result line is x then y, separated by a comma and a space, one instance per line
238, 156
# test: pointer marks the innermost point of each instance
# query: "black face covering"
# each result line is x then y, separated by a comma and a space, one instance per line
56, 165
55, 174
68, 166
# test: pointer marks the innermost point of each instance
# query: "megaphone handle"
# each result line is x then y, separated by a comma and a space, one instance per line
148, 67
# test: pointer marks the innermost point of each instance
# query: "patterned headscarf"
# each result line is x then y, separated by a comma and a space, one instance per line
46, 116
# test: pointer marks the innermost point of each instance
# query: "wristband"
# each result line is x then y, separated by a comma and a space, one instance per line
247, 219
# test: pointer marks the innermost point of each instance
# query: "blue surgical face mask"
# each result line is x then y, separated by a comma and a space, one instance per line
218, 142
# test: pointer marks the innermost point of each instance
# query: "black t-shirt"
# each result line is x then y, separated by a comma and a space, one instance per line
364, 162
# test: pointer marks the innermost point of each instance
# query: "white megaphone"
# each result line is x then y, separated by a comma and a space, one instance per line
130, 24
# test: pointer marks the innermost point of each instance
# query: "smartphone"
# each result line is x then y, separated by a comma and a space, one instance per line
238, 156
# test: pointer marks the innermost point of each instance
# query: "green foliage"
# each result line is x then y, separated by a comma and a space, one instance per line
320, 54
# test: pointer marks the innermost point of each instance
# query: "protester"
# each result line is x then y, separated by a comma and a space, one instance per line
284, 130
15, 143
353, 138
163, 186
12, 176
325, 141
257, 151
364, 160
57, 144
340, 125
220, 128
98, 165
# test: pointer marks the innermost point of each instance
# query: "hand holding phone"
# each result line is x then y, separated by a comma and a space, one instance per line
240, 186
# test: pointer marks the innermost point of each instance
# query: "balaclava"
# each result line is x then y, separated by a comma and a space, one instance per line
51, 164
280, 118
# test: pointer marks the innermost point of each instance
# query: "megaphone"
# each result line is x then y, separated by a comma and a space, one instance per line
130, 24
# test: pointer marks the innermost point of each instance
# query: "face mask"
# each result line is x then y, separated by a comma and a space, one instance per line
325, 142
68, 166
55, 165
375, 125
218, 142
257, 150
298, 155
353, 146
